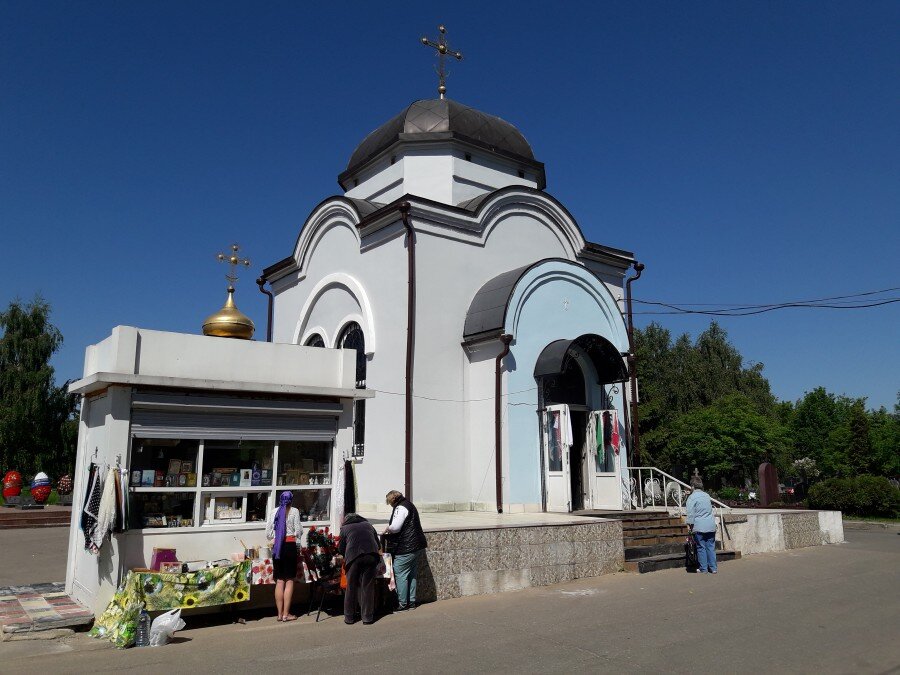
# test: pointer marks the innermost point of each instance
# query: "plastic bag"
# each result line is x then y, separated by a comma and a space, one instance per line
164, 626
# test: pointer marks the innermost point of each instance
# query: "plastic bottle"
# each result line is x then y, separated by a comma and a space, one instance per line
142, 635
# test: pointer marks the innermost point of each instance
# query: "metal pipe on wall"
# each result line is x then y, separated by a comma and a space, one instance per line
405, 208
632, 369
498, 419
261, 282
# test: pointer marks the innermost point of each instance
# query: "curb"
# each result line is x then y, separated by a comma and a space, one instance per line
870, 525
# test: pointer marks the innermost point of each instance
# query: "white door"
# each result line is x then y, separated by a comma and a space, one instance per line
605, 462
557, 439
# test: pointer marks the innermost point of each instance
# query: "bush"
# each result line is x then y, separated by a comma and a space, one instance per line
859, 496
728, 493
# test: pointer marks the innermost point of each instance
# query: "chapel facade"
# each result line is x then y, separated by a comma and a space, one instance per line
489, 329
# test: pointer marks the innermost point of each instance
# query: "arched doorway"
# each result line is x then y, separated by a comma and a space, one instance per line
581, 428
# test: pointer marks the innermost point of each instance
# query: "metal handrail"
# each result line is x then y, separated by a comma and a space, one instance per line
667, 477
680, 502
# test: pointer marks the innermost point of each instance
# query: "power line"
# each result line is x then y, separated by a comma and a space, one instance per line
850, 301
745, 305
454, 400
772, 308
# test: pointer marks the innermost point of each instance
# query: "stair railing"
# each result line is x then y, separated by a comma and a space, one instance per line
655, 487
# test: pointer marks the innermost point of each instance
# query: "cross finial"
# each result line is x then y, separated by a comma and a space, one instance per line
233, 259
443, 50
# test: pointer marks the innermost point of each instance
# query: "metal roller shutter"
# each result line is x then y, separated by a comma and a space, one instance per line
196, 417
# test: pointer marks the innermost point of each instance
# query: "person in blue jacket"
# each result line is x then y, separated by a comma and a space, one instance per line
703, 526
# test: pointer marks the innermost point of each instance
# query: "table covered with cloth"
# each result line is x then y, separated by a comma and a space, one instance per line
156, 591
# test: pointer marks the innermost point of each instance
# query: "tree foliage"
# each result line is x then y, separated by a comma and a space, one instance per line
36, 429
703, 406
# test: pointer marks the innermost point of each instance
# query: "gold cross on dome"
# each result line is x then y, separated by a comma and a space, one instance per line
443, 50
233, 259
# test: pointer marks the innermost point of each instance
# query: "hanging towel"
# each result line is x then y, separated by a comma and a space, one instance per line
338, 501
569, 438
614, 436
91, 506
106, 514
349, 487
121, 522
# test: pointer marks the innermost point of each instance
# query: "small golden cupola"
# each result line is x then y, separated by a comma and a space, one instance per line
230, 321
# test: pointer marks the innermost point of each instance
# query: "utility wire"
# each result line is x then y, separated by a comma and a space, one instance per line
851, 301
772, 308
454, 400
738, 305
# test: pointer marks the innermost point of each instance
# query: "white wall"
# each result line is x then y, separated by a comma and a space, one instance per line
455, 255
439, 172
102, 438
138, 351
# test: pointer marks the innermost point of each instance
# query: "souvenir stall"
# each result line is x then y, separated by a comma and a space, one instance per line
185, 442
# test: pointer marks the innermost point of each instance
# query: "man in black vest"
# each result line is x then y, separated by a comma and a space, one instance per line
405, 541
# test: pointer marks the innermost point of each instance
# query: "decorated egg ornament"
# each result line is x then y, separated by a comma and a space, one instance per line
40, 488
12, 484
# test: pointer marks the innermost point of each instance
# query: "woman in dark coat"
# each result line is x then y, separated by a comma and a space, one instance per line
359, 547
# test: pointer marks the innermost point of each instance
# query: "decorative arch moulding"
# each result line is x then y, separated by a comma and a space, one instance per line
355, 289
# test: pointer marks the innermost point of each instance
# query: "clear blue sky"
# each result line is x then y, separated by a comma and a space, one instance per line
745, 151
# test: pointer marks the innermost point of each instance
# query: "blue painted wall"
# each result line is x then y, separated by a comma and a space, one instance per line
553, 301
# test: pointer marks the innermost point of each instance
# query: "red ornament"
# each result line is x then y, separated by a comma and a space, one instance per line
41, 493
12, 484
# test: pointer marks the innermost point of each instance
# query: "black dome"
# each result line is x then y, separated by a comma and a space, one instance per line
442, 118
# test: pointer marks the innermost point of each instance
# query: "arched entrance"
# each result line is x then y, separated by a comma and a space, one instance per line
581, 428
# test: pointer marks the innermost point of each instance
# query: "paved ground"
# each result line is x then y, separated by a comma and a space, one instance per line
831, 609
34, 555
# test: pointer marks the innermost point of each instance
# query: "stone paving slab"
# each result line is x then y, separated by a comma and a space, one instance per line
39, 607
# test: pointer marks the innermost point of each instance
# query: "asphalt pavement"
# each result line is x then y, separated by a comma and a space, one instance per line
827, 609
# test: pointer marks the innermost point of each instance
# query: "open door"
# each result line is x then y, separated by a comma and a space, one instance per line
556, 430
605, 440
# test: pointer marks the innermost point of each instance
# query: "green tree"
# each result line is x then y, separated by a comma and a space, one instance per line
884, 430
727, 440
677, 378
35, 414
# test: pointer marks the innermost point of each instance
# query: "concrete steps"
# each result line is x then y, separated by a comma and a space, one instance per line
670, 561
655, 541
12, 519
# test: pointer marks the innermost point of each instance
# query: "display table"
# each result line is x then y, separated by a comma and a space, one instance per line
155, 591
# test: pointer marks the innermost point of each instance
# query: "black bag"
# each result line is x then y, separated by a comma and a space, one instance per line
691, 563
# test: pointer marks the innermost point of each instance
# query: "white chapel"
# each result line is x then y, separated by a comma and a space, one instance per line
489, 330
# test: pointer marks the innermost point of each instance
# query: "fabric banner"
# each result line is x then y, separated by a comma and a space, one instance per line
262, 572
157, 591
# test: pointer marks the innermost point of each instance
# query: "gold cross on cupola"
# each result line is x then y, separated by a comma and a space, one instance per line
233, 259
229, 321
443, 50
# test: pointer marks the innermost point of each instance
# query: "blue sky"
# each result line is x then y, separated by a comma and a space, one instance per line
746, 152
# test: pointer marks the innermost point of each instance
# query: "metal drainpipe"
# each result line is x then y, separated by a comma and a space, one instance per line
498, 413
261, 282
404, 208
632, 361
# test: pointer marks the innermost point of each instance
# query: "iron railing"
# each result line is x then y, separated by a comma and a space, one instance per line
652, 487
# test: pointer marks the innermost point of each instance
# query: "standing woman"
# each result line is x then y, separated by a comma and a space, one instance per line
284, 528
702, 521
405, 541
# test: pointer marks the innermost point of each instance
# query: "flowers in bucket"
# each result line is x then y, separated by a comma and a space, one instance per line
322, 547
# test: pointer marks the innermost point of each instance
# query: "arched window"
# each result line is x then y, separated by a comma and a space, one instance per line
352, 338
314, 340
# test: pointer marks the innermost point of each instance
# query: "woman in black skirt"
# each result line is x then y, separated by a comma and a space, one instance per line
283, 529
